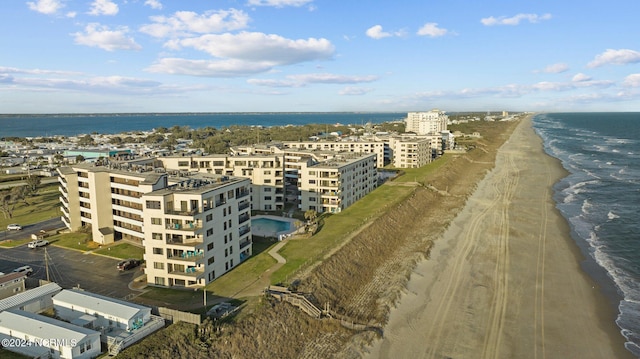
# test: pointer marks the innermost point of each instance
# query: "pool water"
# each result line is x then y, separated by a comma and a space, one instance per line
269, 226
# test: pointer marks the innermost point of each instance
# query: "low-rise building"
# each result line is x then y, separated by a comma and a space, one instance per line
45, 337
33, 300
11, 284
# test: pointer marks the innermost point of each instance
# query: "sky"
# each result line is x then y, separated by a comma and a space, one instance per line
106, 56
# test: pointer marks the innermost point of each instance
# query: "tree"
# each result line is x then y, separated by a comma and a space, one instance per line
33, 182
9, 199
58, 158
86, 140
311, 215
79, 158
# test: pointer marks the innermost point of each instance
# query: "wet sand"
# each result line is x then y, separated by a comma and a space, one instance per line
505, 280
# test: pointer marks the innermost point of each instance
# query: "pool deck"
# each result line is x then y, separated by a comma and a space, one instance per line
257, 231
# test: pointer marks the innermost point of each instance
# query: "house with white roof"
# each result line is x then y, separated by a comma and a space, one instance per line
36, 335
107, 312
120, 323
33, 300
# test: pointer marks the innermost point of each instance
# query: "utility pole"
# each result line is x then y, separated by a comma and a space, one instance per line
46, 262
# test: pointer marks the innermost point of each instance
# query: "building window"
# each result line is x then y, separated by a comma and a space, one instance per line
159, 280
211, 260
158, 265
267, 198
158, 250
153, 204
209, 246
209, 217
157, 236
267, 189
183, 163
267, 181
210, 231
156, 221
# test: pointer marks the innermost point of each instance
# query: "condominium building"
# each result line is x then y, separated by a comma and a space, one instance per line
380, 148
410, 151
337, 183
196, 230
266, 172
422, 123
107, 199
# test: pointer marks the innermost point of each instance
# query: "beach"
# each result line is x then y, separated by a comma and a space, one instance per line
505, 280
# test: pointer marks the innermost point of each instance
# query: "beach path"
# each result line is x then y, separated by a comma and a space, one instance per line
505, 280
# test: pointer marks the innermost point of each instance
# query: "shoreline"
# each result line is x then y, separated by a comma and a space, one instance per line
507, 278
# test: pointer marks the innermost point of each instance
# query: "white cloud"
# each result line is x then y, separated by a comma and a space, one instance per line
96, 35
616, 57
15, 70
354, 91
376, 32
209, 68
103, 7
632, 80
301, 80
580, 77
260, 47
186, 22
154, 4
46, 6
431, 29
514, 20
556, 68
278, 3
71, 14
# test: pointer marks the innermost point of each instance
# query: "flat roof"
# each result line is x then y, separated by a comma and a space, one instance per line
198, 183
98, 303
29, 295
40, 326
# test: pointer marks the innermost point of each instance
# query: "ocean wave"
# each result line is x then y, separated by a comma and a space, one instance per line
612, 216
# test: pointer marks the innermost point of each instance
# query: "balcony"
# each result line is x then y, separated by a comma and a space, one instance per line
189, 272
244, 231
241, 194
186, 256
243, 206
190, 213
191, 227
244, 244
243, 218
186, 242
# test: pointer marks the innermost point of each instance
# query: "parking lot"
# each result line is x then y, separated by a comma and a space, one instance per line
70, 268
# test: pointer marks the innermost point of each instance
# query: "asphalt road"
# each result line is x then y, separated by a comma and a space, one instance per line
70, 268
28, 230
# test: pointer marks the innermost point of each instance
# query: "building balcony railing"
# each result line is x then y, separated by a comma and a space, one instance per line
244, 244
244, 231
220, 203
243, 218
190, 213
191, 242
187, 256
188, 272
244, 205
241, 194
184, 227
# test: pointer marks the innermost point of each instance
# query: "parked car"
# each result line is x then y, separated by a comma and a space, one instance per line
128, 264
14, 227
24, 269
37, 243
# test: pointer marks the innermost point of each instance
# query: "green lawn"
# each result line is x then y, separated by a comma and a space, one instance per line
45, 205
122, 250
76, 240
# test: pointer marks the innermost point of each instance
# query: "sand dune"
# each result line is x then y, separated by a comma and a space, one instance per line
505, 280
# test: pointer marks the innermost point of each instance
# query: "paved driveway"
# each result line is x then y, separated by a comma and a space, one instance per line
70, 268
29, 229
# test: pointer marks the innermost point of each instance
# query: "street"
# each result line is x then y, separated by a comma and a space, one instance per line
28, 230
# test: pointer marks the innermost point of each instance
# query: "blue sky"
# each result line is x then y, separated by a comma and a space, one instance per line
65, 56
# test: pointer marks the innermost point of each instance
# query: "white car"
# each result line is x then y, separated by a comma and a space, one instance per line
24, 269
37, 243
14, 227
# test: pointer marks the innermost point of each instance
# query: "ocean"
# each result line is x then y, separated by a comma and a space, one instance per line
600, 199
75, 124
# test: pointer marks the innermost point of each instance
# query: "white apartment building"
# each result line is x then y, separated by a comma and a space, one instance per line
422, 123
380, 148
411, 151
266, 172
197, 230
335, 184
107, 199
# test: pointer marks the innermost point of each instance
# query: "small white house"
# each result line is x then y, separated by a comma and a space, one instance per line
33, 300
36, 335
78, 306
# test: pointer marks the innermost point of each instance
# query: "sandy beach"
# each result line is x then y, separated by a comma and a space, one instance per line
505, 279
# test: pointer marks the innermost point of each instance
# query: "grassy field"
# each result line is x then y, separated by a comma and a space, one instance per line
122, 250
44, 205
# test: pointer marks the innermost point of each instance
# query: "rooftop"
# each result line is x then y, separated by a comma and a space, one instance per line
40, 326
98, 303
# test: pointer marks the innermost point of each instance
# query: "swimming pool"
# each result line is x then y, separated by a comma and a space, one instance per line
264, 226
